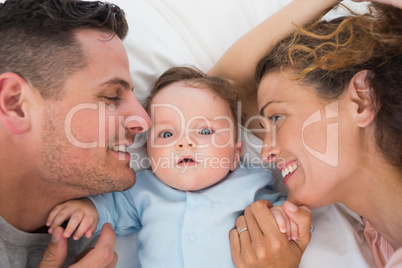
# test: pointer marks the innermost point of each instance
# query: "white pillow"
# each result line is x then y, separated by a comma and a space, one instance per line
166, 33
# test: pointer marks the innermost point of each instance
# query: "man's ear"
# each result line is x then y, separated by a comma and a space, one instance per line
363, 95
238, 151
13, 110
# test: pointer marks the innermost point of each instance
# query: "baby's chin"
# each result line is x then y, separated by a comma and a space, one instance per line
187, 188
189, 179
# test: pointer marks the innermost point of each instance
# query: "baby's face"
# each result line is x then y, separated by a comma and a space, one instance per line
191, 143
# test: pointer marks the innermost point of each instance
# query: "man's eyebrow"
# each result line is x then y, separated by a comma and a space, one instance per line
119, 81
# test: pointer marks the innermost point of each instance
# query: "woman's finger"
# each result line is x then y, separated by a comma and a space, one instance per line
294, 231
235, 246
262, 218
243, 233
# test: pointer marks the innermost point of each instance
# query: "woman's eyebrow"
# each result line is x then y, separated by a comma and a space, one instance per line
266, 105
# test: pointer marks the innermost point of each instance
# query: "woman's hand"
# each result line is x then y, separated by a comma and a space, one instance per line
262, 244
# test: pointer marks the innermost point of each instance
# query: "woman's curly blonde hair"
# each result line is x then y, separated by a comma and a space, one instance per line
327, 54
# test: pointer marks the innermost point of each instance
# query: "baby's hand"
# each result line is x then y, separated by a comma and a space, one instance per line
81, 212
285, 224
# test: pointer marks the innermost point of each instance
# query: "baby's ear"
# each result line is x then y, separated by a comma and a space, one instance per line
14, 106
238, 150
363, 95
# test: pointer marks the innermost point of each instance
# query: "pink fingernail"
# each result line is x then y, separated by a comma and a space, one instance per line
291, 207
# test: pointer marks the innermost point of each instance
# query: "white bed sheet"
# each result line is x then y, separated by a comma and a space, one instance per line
166, 33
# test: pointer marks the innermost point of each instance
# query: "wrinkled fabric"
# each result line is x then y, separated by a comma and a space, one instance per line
379, 246
396, 260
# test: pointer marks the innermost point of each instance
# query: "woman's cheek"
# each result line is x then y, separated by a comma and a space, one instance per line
314, 137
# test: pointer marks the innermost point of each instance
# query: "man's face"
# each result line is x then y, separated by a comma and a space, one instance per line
87, 132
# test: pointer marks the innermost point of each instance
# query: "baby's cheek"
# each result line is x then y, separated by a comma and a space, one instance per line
222, 140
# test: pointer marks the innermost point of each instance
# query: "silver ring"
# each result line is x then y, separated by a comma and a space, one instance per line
242, 230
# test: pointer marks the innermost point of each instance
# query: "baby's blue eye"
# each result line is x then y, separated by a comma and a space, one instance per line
166, 134
205, 131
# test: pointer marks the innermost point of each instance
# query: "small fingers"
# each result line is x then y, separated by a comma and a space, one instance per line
89, 233
280, 221
294, 231
301, 216
73, 223
58, 220
87, 226
52, 215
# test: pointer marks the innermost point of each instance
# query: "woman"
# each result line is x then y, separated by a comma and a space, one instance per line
331, 97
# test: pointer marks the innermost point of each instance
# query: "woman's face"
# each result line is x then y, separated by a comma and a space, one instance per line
312, 139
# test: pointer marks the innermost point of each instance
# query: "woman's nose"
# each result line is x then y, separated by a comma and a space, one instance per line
270, 151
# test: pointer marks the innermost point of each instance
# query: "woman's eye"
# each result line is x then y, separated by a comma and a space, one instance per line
166, 134
274, 119
205, 131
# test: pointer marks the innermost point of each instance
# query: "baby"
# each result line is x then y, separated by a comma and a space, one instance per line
186, 205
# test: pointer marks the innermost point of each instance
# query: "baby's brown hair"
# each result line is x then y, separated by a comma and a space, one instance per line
224, 88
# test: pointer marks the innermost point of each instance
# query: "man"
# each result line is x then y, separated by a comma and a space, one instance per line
67, 115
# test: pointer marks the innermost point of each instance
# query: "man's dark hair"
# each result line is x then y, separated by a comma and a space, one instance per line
37, 38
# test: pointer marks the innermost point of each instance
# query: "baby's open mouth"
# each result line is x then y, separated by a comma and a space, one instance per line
186, 160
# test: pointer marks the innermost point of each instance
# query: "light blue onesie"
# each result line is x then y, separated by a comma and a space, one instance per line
185, 229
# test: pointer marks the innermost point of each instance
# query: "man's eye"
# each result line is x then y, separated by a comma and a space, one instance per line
166, 134
112, 98
205, 131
